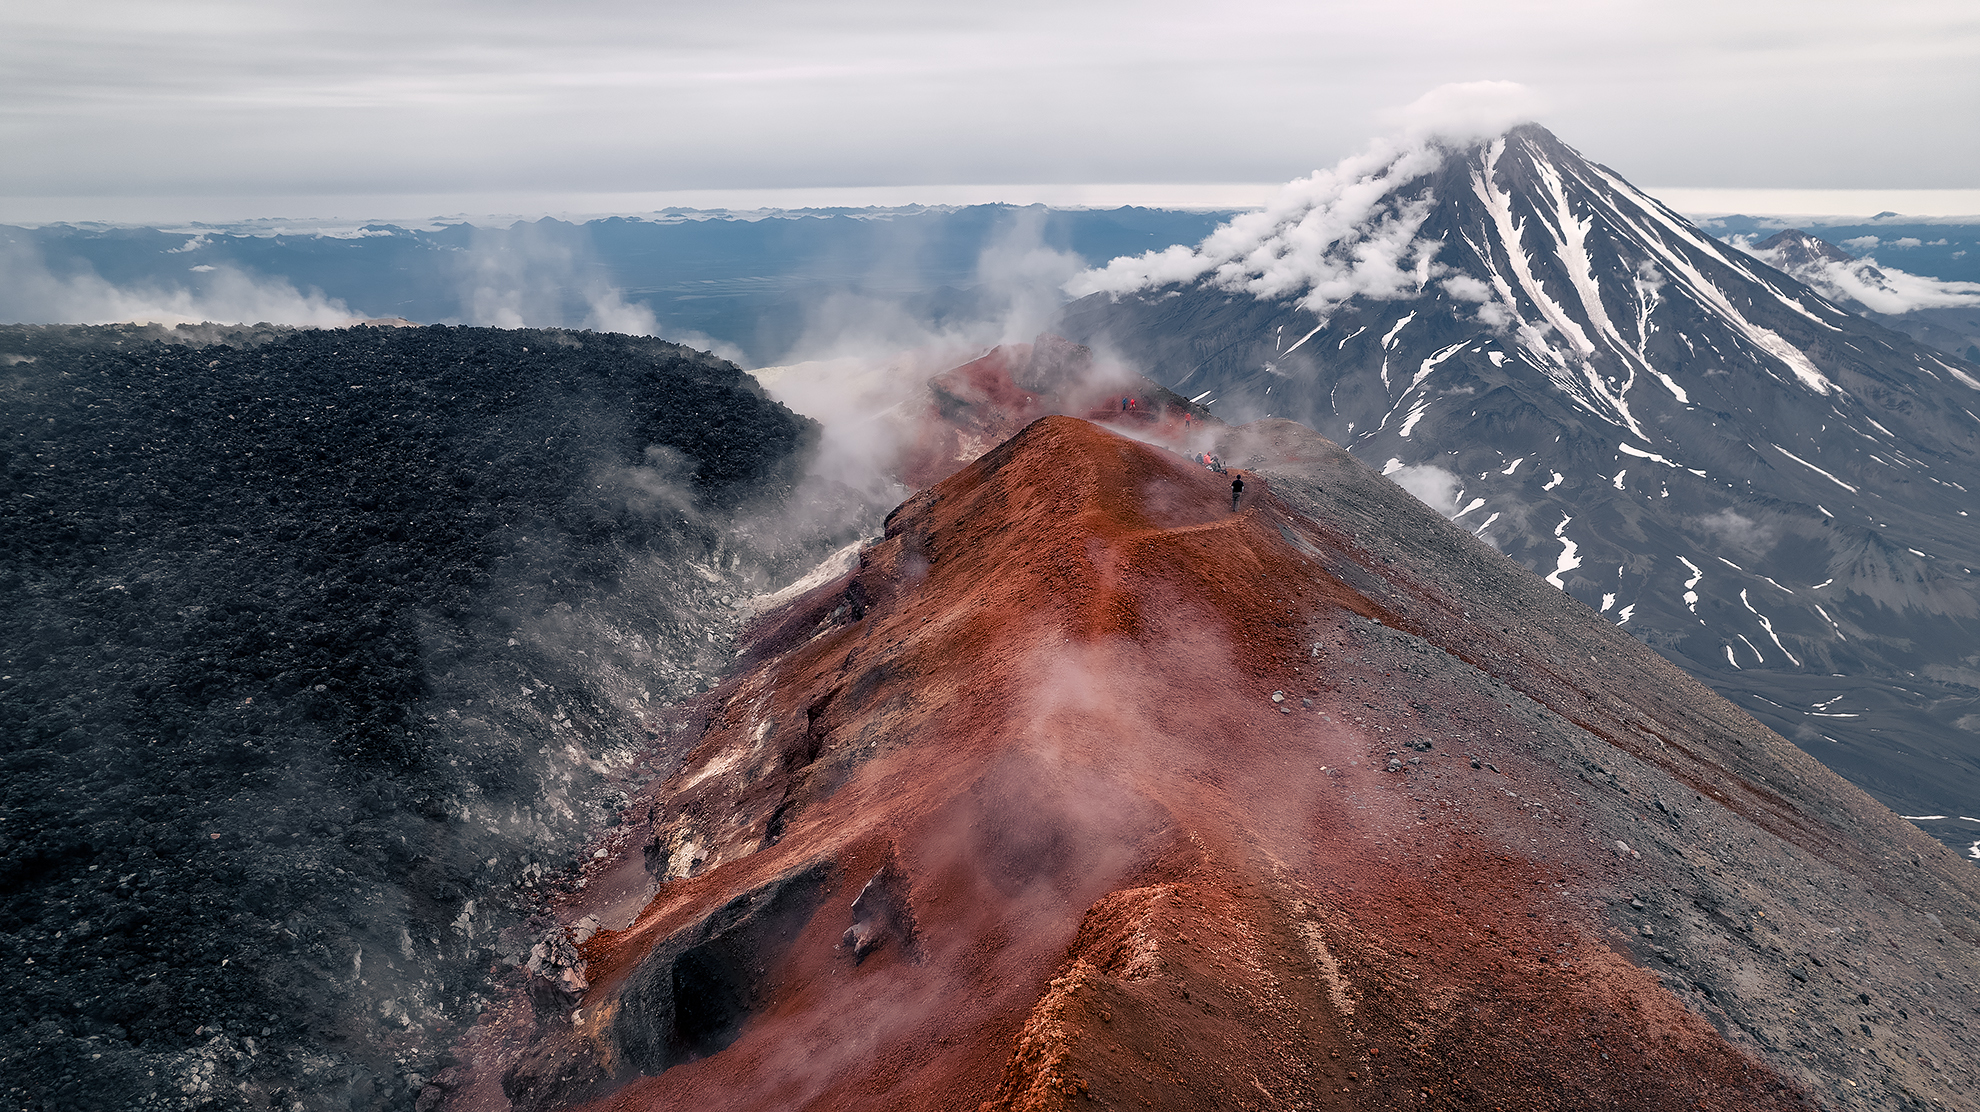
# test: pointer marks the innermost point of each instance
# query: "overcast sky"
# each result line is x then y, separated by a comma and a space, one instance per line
274, 99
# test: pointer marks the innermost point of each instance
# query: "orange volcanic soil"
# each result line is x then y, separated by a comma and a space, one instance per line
1085, 791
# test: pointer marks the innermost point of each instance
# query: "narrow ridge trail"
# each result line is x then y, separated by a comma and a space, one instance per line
1084, 791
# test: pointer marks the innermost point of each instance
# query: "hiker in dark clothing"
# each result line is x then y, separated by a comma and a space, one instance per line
1237, 490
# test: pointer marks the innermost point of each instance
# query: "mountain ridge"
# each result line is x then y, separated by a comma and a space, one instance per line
1081, 787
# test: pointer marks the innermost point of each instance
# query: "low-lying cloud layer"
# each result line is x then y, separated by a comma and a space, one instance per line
32, 293
1866, 282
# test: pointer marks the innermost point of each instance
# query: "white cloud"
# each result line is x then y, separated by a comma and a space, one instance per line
1433, 486
1886, 289
1466, 288
1348, 231
1342, 232
1496, 315
1465, 111
1739, 531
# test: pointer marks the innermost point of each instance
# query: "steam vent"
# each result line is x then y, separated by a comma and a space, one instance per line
1083, 791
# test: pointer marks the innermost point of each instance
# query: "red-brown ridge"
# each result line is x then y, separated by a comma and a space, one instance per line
1085, 791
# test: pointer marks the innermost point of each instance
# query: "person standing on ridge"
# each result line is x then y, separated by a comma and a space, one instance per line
1237, 490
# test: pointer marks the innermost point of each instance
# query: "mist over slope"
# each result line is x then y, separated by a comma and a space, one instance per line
1771, 491
322, 652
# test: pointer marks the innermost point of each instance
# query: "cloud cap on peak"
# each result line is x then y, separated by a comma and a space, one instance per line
1466, 111
1348, 231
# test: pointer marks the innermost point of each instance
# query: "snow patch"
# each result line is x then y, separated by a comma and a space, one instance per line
1415, 414
1768, 626
1691, 585
1389, 340
1568, 560
1303, 339
1430, 364
1639, 453
1812, 467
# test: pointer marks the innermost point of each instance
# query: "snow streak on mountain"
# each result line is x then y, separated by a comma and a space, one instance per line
1769, 489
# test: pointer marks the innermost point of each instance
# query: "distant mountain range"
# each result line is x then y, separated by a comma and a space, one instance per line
751, 285
1945, 315
1772, 491
1947, 248
762, 287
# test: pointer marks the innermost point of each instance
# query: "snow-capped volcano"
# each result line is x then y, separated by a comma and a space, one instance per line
1769, 489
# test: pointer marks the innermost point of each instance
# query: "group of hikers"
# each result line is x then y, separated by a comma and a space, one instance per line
1132, 404
1216, 463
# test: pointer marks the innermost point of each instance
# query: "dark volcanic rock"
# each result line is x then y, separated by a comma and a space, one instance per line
318, 649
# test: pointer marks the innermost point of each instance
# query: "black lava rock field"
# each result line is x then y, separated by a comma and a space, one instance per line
322, 651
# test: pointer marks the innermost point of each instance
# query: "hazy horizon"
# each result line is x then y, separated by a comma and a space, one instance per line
186, 107
1815, 205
